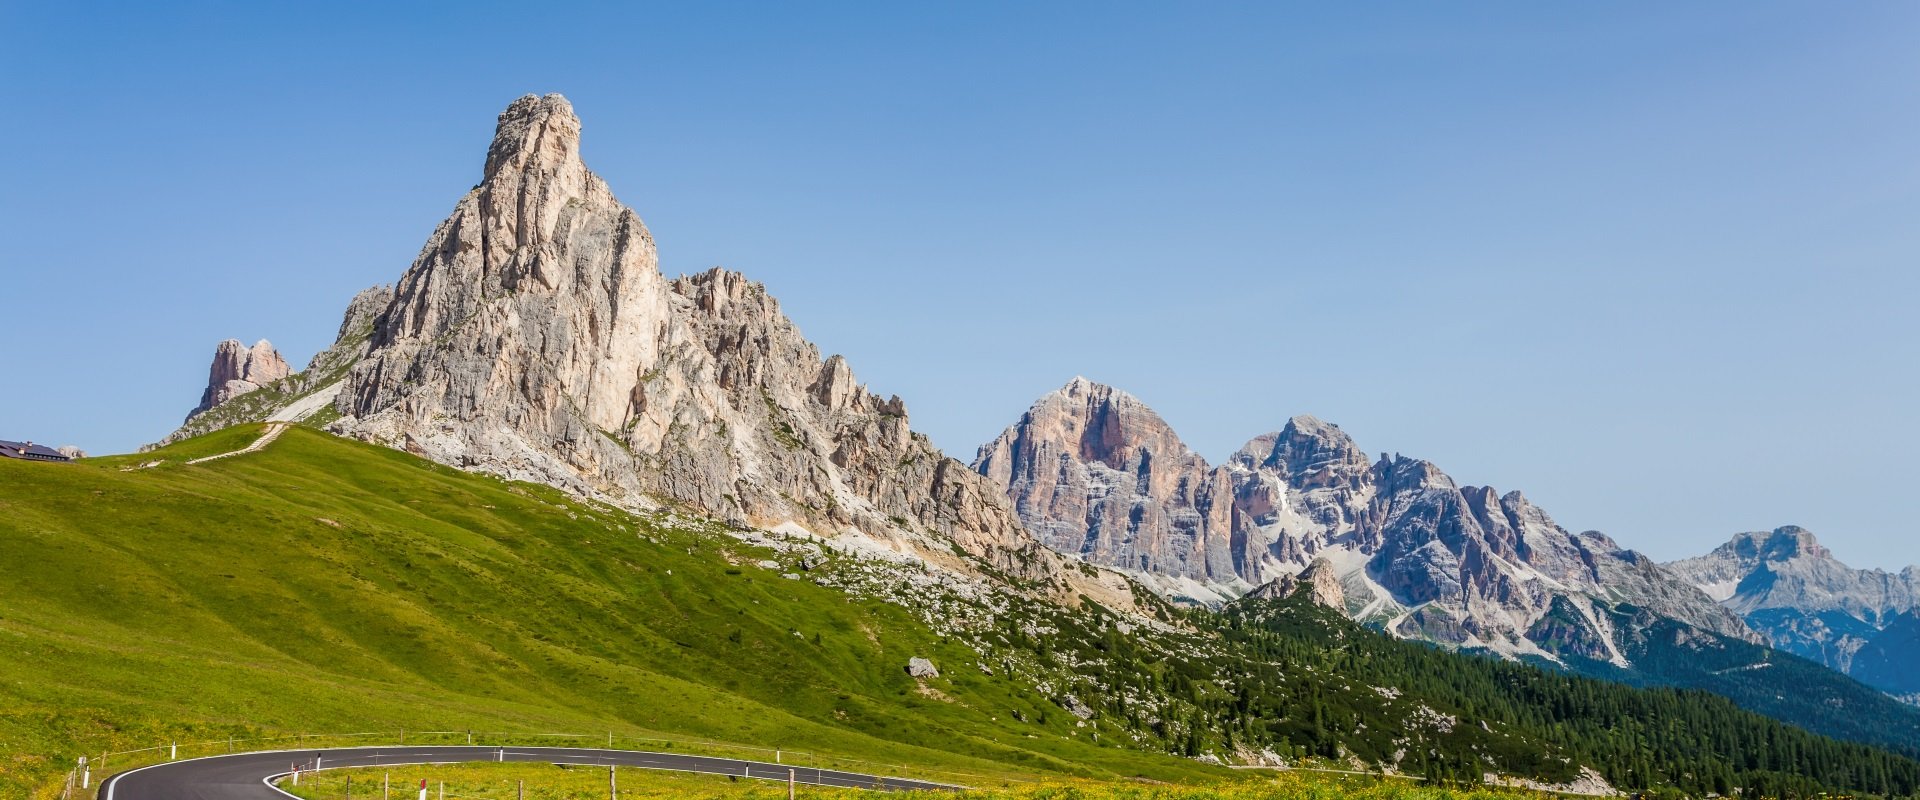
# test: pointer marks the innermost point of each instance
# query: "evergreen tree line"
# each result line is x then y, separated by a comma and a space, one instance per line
1309, 682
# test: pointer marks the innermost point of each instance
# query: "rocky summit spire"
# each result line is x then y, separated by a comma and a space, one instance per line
539, 268
535, 134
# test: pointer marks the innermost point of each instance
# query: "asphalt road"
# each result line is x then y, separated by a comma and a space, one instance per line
245, 776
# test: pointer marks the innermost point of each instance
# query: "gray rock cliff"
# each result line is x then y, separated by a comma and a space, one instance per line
535, 337
1096, 474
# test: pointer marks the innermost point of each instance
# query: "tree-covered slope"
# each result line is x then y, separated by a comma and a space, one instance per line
1666, 739
1772, 682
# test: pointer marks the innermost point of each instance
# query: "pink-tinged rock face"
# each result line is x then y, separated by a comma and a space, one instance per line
238, 369
1095, 473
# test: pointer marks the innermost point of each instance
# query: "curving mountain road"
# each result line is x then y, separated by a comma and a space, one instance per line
247, 776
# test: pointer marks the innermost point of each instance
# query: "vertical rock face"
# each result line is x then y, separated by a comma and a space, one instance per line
536, 338
1792, 589
1093, 471
238, 369
1097, 474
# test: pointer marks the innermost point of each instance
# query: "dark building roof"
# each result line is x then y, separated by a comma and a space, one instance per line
30, 451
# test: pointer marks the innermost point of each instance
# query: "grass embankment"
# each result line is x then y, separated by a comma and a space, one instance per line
549, 782
323, 585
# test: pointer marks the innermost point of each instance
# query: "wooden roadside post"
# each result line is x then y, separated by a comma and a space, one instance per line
789, 784
613, 787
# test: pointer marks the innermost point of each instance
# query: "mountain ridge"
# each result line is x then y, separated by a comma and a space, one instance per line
1097, 474
1805, 600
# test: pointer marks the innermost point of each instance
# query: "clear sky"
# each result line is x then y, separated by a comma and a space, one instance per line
1653, 264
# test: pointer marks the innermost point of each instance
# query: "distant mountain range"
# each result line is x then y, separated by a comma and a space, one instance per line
1094, 472
1395, 543
1791, 589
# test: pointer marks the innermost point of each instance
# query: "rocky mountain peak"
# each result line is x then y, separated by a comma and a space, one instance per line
534, 337
238, 369
1321, 580
1802, 598
1092, 421
1095, 473
1093, 468
1115, 427
535, 134
1309, 453
1784, 543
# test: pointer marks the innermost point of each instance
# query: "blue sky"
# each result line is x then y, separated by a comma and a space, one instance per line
1653, 264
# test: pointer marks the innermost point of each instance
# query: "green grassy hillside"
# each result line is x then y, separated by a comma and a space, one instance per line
323, 585
327, 585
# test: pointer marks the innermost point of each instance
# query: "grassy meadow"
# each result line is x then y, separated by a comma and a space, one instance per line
549, 782
324, 585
